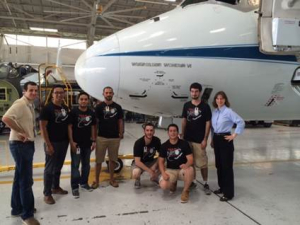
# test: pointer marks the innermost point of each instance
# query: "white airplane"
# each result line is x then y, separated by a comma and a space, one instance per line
152, 64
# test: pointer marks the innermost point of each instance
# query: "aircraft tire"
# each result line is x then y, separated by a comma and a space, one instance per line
119, 166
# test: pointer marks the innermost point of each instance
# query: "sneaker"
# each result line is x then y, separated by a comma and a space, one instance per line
59, 191
217, 192
185, 196
137, 184
75, 193
49, 200
207, 191
87, 187
193, 185
31, 221
173, 188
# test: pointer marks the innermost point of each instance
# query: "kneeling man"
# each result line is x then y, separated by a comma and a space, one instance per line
179, 158
144, 151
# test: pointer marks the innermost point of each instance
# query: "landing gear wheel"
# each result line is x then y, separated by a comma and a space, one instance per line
119, 165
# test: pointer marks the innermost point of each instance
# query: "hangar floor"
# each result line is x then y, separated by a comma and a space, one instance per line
267, 182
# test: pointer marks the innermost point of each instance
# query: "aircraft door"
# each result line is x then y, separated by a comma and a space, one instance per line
279, 27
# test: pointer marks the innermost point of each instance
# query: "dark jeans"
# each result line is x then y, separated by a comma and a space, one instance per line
84, 157
224, 164
22, 200
53, 166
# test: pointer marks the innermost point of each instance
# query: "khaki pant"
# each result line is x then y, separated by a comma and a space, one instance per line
112, 146
200, 156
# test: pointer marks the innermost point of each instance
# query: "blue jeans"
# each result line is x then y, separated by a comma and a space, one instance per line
84, 157
22, 200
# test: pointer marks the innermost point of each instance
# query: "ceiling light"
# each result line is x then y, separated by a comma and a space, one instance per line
43, 29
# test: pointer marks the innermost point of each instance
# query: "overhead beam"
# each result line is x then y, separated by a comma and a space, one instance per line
66, 5
57, 22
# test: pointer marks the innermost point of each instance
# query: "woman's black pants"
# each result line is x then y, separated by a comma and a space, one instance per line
224, 164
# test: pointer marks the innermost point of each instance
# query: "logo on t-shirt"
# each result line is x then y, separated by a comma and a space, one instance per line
148, 152
174, 154
109, 112
84, 120
60, 115
193, 114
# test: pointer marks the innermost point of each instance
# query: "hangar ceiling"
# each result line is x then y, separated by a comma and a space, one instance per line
80, 19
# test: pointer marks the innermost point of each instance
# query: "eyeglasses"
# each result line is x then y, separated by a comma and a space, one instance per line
58, 93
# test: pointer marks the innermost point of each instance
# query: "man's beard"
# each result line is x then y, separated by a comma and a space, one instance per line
108, 98
195, 97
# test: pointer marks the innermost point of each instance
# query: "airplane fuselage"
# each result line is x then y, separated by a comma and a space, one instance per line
152, 64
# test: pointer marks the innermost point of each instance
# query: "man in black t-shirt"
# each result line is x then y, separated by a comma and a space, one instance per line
196, 124
110, 130
82, 136
54, 120
179, 159
144, 152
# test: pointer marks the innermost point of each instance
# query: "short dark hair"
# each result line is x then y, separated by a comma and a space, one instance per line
173, 125
57, 86
29, 83
148, 124
196, 86
108, 87
222, 93
82, 93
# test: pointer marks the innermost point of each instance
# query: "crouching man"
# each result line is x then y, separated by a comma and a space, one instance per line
179, 159
144, 151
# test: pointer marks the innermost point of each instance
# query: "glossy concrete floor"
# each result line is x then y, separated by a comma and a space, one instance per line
267, 184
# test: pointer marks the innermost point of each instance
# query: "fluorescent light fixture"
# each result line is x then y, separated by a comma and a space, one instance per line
170, 0
217, 30
43, 29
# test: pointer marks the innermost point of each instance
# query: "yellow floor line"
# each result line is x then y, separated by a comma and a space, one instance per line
125, 173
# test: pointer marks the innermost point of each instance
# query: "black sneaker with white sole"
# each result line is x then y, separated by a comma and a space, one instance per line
86, 187
75, 193
207, 191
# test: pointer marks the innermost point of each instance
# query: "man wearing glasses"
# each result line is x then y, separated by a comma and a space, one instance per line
54, 121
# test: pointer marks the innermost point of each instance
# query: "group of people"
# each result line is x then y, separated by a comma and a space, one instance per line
101, 130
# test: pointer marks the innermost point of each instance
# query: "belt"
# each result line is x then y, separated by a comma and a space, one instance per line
222, 134
21, 142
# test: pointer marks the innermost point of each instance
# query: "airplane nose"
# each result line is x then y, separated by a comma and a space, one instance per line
99, 67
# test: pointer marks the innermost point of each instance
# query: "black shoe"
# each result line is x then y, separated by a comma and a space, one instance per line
206, 189
87, 187
217, 192
193, 185
225, 199
75, 193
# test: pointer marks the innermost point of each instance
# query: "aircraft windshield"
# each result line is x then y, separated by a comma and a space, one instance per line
244, 5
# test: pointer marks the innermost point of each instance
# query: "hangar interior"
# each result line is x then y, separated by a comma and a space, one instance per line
267, 160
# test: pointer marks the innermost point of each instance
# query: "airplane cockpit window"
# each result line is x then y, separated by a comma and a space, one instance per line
243, 5
189, 2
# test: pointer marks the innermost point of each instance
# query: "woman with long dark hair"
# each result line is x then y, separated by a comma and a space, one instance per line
223, 119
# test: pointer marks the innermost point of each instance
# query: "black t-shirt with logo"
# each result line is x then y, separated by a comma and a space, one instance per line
146, 152
58, 120
175, 154
196, 118
82, 122
108, 117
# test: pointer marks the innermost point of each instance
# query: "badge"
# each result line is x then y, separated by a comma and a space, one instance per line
196, 111
63, 112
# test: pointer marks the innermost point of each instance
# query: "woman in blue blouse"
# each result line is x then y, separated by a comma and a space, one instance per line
223, 119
